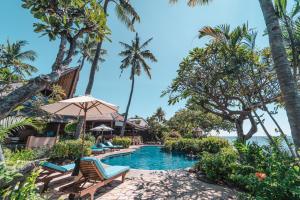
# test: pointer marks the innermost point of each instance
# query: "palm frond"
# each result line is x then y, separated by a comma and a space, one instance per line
123, 17
13, 124
147, 54
145, 44
211, 32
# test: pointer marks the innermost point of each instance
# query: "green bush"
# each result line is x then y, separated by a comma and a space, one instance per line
196, 146
218, 166
124, 141
23, 190
70, 149
261, 171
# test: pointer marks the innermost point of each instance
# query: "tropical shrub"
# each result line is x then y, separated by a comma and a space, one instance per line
17, 159
23, 190
196, 146
70, 149
218, 166
71, 127
124, 141
7, 175
261, 171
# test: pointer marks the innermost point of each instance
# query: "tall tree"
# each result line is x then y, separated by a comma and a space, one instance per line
13, 63
160, 114
128, 16
135, 55
281, 64
220, 80
68, 21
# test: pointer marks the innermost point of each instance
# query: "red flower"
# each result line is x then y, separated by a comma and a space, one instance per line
260, 175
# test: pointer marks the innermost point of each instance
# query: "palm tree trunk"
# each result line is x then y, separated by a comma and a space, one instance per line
283, 71
127, 108
80, 120
1, 154
90, 84
96, 59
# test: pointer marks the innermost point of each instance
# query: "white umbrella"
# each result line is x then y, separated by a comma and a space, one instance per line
86, 106
102, 128
81, 106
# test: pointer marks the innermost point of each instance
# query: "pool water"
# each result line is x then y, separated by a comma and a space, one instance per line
151, 158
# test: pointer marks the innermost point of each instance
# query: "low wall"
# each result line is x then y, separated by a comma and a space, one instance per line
36, 142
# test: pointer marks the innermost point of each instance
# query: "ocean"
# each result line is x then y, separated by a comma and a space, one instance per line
260, 140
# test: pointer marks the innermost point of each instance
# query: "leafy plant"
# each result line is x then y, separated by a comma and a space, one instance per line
196, 146
7, 175
24, 190
124, 141
12, 124
71, 127
70, 149
217, 166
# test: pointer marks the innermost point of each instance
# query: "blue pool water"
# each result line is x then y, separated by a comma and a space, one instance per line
151, 158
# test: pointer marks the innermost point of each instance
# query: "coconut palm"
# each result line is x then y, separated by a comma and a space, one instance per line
87, 48
128, 16
281, 64
135, 55
160, 114
14, 60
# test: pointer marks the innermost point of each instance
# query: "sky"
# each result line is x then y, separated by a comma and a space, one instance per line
174, 30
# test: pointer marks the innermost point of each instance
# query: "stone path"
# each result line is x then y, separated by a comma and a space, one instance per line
156, 185
153, 185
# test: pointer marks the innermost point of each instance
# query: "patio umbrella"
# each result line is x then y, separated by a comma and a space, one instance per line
86, 106
102, 128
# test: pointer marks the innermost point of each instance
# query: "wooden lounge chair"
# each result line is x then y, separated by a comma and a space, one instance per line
52, 171
94, 176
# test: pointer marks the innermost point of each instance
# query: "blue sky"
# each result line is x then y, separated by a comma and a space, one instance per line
174, 29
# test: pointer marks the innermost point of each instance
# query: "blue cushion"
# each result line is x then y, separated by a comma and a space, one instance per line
109, 171
114, 146
103, 145
114, 170
109, 144
95, 147
98, 149
59, 168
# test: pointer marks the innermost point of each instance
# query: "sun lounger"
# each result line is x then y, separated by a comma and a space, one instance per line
101, 145
94, 175
52, 171
110, 145
98, 150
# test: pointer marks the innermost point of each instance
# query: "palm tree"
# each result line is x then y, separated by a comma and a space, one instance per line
87, 49
126, 14
135, 55
13, 60
160, 114
281, 64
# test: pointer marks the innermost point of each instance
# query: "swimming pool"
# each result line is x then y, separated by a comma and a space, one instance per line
151, 158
